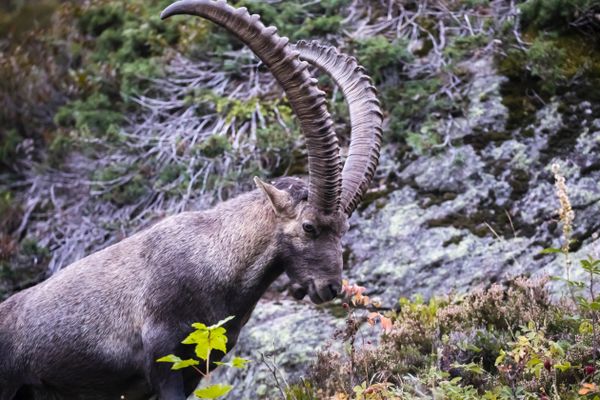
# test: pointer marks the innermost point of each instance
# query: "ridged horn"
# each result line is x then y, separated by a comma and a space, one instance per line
366, 117
307, 101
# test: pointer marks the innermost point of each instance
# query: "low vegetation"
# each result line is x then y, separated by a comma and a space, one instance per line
508, 341
206, 340
514, 340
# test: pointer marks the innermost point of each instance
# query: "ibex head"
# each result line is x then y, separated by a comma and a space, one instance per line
310, 226
309, 240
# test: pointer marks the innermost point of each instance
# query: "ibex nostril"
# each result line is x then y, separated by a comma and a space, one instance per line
335, 289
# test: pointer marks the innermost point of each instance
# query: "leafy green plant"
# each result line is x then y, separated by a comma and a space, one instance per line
301, 19
379, 54
206, 340
545, 61
214, 146
558, 14
94, 115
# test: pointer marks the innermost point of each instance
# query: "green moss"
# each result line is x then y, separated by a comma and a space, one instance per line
553, 64
479, 221
214, 146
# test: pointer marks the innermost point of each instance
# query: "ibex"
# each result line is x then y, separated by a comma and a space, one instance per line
95, 329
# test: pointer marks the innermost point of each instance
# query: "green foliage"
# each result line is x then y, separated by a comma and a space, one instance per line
31, 248
59, 148
212, 391
21, 264
129, 39
130, 190
557, 14
206, 339
320, 26
500, 343
464, 46
96, 20
299, 20
214, 146
475, 3
6, 203
545, 60
177, 362
300, 391
379, 54
413, 105
93, 115
8, 146
170, 174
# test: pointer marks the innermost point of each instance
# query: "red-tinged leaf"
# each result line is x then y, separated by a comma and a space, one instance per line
386, 324
372, 318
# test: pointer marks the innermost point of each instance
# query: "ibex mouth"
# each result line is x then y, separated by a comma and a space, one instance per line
297, 291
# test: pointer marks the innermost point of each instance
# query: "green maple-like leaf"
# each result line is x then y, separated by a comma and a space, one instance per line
239, 362
208, 338
212, 391
178, 363
236, 362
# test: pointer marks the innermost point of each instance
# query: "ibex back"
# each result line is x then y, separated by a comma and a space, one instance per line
95, 329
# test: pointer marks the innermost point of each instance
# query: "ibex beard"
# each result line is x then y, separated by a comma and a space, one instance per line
95, 329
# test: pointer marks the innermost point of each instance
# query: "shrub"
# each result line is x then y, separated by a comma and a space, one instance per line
214, 146
378, 55
561, 15
95, 114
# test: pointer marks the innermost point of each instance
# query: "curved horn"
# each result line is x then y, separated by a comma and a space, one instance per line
366, 117
307, 101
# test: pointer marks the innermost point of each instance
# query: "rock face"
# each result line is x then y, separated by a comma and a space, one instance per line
281, 340
475, 212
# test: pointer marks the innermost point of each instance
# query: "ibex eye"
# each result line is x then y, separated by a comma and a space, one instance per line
308, 227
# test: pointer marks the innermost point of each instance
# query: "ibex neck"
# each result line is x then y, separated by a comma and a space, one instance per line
248, 230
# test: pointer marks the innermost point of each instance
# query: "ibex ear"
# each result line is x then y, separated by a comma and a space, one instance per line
280, 199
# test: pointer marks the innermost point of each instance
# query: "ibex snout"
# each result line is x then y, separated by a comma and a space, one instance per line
321, 291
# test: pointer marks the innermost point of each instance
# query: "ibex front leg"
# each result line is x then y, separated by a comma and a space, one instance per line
158, 341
